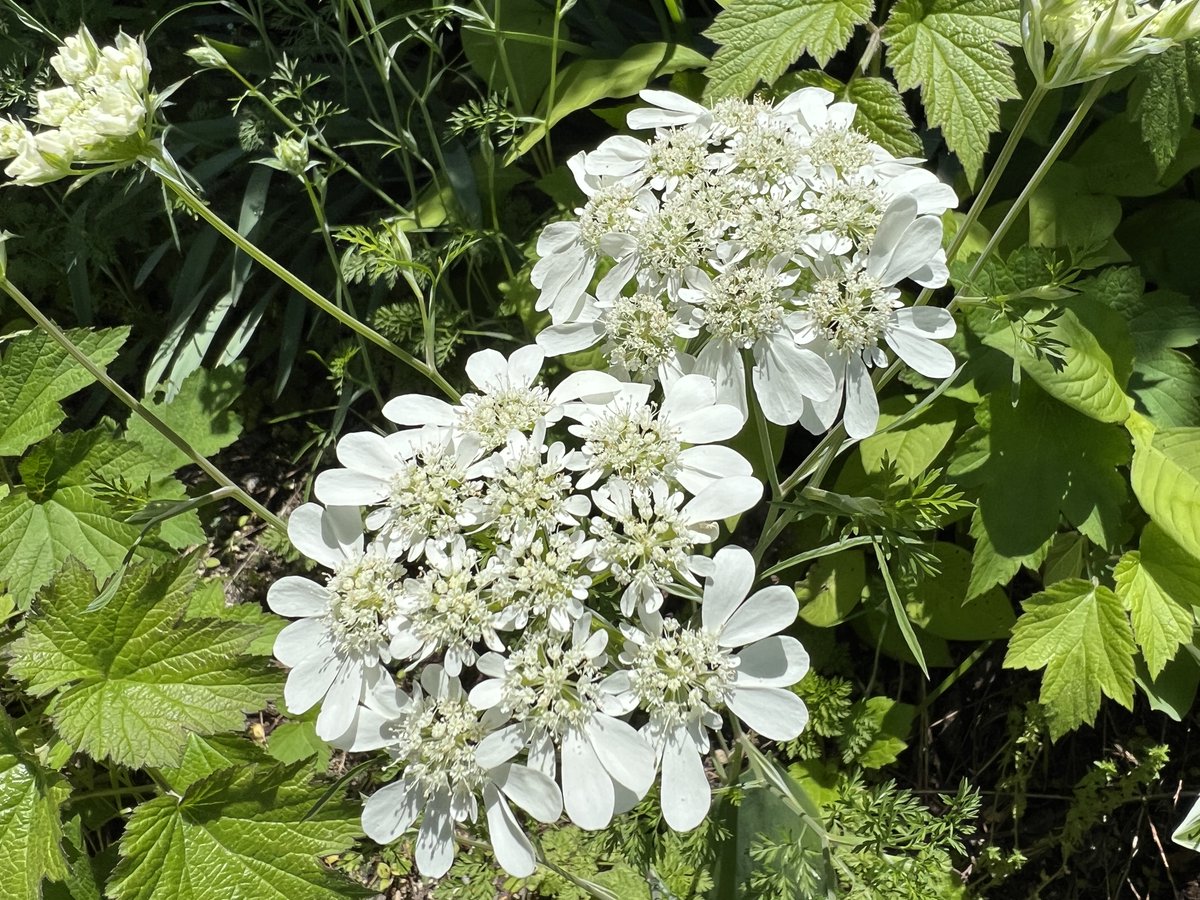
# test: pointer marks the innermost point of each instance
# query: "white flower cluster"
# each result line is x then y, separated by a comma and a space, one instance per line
504, 620
772, 236
97, 117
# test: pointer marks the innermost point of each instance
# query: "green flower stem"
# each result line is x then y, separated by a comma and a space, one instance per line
198, 206
989, 184
135, 405
1043, 169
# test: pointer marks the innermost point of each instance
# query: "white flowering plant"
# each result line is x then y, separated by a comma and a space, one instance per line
664, 509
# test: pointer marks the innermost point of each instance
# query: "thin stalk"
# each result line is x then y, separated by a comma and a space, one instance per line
1039, 175
198, 206
136, 406
980, 202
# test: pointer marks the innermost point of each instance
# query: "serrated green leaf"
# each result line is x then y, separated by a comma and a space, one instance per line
1038, 462
200, 413
132, 679
990, 568
240, 834
1079, 633
64, 510
1159, 583
890, 723
35, 373
882, 116
1166, 386
760, 39
294, 741
30, 821
1163, 100
952, 50
1166, 479
1115, 161
1064, 212
214, 753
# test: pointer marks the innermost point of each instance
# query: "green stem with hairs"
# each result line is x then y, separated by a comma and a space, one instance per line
30, 309
196, 205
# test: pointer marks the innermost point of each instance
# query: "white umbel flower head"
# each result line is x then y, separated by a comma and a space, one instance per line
851, 306
509, 398
551, 691
435, 736
416, 483
646, 539
682, 677
339, 645
639, 442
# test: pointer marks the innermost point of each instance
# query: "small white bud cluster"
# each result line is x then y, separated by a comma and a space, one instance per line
97, 120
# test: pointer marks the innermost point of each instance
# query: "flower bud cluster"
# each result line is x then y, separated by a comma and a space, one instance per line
97, 118
750, 235
486, 564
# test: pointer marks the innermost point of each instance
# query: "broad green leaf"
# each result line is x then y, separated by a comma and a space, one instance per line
202, 756
882, 116
1091, 376
1064, 212
1079, 633
1166, 386
35, 373
990, 568
240, 833
832, 588
915, 444
940, 605
1036, 463
1166, 479
294, 741
1115, 161
585, 81
132, 679
1161, 240
514, 56
952, 50
200, 413
30, 821
1163, 100
73, 503
1159, 583
760, 39
889, 723
1174, 690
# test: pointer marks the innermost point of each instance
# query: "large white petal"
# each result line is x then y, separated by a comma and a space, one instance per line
295, 596
509, 841
308, 682
928, 357
616, 278
777, 661
500, 746
570, 337
618, 156
721, 362
719, 422
920, 243
531, 790
328, 536
701, 466
590, 385
344, 487
586, 786
623, 752
774, 713
733, 576
931, 322
419, 409
557, 237
487, 369
390, 811
672, 110
689, 395
435, 841
304, 639
341, 701
767, 612
524, 364
862, 406
724, 499
686, 794
785, 374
